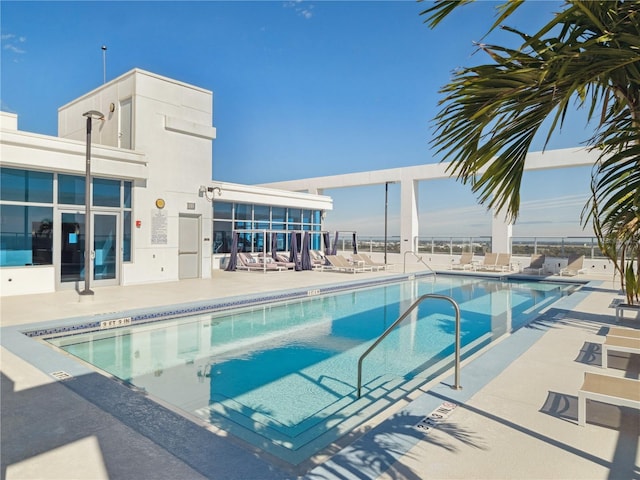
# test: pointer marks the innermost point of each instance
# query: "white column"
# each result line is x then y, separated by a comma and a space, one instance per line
409, 224
501, 233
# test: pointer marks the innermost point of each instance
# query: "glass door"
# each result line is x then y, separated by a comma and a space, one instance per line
72, 248
105, 248
105, 254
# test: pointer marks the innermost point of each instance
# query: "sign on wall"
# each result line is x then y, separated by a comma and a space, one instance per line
158, 227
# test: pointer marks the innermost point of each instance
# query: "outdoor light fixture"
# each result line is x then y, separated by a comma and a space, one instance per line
208, 192
91, 114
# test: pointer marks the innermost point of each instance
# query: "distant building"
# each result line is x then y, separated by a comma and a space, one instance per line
157, 215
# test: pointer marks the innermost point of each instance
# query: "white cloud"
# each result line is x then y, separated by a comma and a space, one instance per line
305, 12
11, 43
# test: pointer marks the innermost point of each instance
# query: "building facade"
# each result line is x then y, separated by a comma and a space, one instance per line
152, 197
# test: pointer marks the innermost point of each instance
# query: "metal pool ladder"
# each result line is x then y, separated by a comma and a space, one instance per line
413, 306
420, 259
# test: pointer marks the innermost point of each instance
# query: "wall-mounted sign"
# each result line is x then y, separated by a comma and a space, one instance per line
158, 228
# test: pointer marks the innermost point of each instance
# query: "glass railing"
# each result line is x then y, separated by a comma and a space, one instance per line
520, 246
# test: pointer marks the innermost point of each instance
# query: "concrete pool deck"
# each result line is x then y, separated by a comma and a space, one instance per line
515, 416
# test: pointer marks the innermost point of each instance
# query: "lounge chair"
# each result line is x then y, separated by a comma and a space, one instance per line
364, 260
317, 258
503, 262
574, 266
619, 344
465, 262
489, 262
536, 264
341, 264
623, 332
280, 260
624, 392
246, 261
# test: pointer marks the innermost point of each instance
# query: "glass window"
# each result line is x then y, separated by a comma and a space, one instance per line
127, 194
222, 237
306, 216
27, 235
126, 236
106, 193
26, 186
278, 214
222, 210
261, 212
294, 215
243, 212
71, 189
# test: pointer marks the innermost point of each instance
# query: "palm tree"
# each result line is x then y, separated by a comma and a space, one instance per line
587, 55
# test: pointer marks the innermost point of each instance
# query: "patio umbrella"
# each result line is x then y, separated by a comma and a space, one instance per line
305, 255
233, 255
355, 243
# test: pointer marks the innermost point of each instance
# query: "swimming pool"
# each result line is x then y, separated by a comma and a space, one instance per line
282, 376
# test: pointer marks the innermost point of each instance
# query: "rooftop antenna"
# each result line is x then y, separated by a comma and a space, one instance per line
104, 64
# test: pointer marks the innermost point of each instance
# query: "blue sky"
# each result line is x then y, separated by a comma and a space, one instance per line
301, 89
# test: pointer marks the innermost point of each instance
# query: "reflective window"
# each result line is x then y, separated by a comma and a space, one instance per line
222, 237
127, 194
106, 193
243, 211
294, 215
261, 212
278, 214
222, 210
126, 236
26, 186
27, 235
71, 189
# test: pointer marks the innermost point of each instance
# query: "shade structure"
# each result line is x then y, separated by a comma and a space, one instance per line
305, 256
233, 255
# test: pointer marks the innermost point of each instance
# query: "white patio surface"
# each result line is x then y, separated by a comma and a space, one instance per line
520, 423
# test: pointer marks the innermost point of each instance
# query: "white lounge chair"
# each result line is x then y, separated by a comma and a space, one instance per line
574, 266
503, 262
489, 262
364, 260
246, 261
624, 392
623, 332
536, 264
341, 264
465, 262
619, 344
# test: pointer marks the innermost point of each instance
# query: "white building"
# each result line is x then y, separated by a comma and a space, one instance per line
151, 192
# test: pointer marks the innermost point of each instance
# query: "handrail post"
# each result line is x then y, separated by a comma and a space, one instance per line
406, 313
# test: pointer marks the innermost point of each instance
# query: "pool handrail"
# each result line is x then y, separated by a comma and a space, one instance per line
404, 266
406, 313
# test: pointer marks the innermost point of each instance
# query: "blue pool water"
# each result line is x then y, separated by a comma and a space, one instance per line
283, 376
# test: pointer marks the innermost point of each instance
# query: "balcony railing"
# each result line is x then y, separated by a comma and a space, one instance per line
521, 246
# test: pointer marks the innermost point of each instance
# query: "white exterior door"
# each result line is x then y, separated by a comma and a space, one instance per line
189, 247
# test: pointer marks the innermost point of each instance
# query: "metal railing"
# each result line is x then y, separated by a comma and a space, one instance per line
413, 306
404, 266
